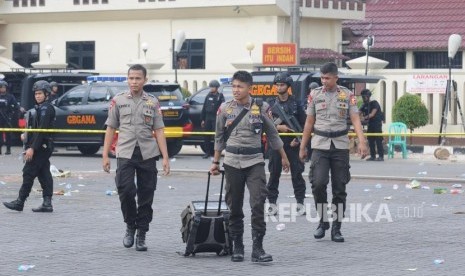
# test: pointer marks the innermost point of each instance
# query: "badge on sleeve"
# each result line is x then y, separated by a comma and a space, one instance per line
269, 113
309, 99
112, 103
159, 109
353, 101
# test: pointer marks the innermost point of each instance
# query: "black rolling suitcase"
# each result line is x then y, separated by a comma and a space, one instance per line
205, 225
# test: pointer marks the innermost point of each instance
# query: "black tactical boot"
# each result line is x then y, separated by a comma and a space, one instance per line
320, 231
16, 205
238, 249
140, 240
273, 209
258, 253
128, 240
336, 232
46, 206
300, 208
8, 150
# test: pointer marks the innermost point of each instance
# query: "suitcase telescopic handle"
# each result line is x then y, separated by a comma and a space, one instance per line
208, 190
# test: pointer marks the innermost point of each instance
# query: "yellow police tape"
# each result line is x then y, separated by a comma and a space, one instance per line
180, 133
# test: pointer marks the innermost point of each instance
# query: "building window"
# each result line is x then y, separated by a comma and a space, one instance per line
24, 3
26, 53
396, 59
33, 3
436, 60
192, 54
85, 2
104, 1
80, 54
77, 2
42, 3
94, 1
15, 3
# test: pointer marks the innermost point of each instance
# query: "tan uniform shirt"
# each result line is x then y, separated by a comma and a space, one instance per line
330, 109
244, 134
136, 123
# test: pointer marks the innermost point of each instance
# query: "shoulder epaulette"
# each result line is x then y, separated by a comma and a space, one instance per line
345, 89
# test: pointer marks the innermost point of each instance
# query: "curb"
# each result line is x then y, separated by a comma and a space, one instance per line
421, 148
360, 176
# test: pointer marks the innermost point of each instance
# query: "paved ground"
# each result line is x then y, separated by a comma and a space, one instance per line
400, 235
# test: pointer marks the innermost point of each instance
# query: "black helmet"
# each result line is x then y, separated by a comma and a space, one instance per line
313, 85
42, 85
366, 92
53, 83
283, 77
3, 83
214, 83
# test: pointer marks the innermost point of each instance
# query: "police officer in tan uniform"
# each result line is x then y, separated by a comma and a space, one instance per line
327, 111
138, 117
244, 163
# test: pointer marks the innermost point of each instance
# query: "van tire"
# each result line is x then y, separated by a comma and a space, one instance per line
202, 146
89, 149
174, 146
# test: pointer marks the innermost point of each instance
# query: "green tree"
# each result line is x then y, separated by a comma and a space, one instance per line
410, 110
185, 93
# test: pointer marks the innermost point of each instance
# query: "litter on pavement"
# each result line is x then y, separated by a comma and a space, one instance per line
414, 184
440, 190
59, 173
281, 227
25, 267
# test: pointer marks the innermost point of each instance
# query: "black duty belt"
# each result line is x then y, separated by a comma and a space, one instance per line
244, 151
331, 134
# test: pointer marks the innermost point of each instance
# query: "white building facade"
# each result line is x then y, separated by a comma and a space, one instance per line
105, 36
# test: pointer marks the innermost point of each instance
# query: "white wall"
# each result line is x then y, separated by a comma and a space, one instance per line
389, 90
116, 42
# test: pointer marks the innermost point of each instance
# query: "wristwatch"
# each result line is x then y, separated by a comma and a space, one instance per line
216, 162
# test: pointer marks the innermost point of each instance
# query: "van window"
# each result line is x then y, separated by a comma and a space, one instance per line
73, 97
98, 95
164, 92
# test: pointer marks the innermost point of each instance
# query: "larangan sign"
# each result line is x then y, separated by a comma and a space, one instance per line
427, 83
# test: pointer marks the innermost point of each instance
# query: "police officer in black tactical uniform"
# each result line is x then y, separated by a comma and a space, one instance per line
39, 148
371, 111
54, 93
213, 100
8, 106
292, 107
